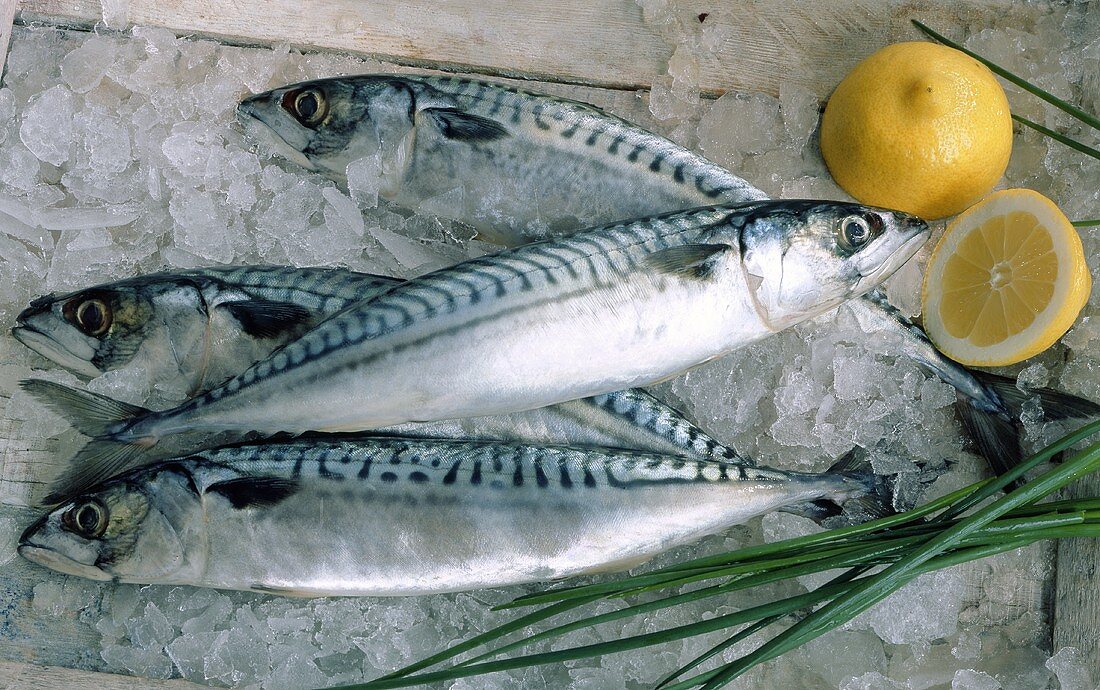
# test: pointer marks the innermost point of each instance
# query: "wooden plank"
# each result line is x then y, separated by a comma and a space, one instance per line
15, 676
1077, 586
758, 43
7, 16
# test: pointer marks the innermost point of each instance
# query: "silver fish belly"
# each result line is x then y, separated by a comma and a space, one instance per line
385, 516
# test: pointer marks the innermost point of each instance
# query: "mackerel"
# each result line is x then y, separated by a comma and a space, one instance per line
603, 310
389, 517
192, 329
514, 165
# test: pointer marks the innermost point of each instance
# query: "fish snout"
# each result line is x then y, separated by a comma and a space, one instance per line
38, 306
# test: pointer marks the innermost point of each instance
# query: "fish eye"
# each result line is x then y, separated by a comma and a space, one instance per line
308, 106
857, 231
88, 518
90, 315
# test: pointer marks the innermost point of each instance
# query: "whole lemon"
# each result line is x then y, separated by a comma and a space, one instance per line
918, 127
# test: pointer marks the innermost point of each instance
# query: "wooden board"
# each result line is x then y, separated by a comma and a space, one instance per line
758, 43
1077, 588
31, 677
7, 16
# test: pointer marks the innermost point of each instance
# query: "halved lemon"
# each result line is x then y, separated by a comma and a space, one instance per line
1006, 280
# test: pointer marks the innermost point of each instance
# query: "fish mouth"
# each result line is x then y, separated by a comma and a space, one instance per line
250, 116
49, 348
918, 235
61, 563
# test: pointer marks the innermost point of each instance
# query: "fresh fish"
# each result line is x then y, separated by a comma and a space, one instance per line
195, 328
390, 516
566, 163
514, 165
603, 310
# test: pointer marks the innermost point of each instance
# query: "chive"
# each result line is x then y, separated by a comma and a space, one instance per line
782, 606
489, 636
743, 634
1087, 118
1086, 223
724, 674
1072, 143
993, 486
878, 587
718, 649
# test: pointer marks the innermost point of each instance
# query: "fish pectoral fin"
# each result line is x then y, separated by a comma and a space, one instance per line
254, 492
694, 261
261, 318
461, 126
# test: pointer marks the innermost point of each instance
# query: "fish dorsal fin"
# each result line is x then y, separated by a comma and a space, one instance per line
461, 126
254, 492
688, 260
263, 318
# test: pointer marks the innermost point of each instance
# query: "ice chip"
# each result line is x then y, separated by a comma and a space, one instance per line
970, 679
925, 609
47, 127
1072, 669
84, 68
365, 180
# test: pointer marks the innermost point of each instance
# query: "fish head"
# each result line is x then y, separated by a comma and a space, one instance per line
802, 258
103, 328
129, 530
326, 124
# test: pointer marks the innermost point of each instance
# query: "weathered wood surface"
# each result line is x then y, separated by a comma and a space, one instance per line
15, 676
7, 16
758, 44
1077, 588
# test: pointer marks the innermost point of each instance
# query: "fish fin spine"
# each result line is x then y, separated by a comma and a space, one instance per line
261, 318
461, 126
695, 261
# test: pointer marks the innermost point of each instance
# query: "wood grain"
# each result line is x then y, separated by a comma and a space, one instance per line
16, 676
7, 16
756, 44
1077, 587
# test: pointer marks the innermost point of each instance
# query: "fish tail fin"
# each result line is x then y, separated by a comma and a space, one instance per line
862, 494
90, 413
996, 433
1056, 404
102, 418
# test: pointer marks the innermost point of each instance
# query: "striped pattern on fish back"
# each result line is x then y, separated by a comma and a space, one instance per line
319, 289
600, 132
396, 461
595, 257
646, 412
